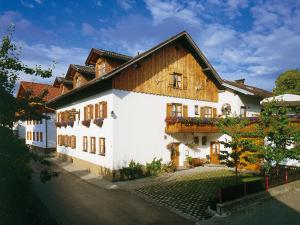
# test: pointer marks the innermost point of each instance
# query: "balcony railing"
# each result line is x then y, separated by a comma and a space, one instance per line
191, 125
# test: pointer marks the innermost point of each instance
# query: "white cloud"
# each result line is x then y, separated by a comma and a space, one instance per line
162, 10
44, 55
26, 4
126, 4
87, 29
39, 1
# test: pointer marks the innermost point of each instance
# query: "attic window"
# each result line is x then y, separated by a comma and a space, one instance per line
78, 81
101, 69
176, 80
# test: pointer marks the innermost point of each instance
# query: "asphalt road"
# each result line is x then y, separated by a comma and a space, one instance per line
73, 201
281, 210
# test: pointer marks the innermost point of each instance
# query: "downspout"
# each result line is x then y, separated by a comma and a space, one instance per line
46, 133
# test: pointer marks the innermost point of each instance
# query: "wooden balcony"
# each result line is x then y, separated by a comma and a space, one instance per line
186, 125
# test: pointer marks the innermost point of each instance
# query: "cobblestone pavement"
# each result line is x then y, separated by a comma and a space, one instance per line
190, 194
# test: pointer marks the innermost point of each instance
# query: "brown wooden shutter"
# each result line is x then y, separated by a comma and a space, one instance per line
96, 110
85, 113
91, 111
104, 108
184, 82
171, 80
169, 109
214, 113
74, 141
185, 111
202, 109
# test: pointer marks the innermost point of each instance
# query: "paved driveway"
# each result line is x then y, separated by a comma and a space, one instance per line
71, 200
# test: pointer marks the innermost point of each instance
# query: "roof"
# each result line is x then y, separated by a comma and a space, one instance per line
39, 88
291, 99
247, 89
59, 80
84, 70
106, 53
183, 35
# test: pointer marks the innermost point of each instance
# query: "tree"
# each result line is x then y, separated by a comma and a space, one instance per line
240, 141
282, 138
16, 205
288, 83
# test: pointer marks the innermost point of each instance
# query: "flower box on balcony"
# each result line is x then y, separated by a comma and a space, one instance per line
58, 124
70, 123
63, 124
98, 122
86, 123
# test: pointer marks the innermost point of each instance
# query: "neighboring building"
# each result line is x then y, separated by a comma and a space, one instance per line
125, 108
39, 134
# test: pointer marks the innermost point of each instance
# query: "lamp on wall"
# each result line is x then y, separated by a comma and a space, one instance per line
112, 113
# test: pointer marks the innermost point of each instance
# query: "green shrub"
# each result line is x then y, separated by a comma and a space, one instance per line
154, 167
168, 167
189, 159
133, 171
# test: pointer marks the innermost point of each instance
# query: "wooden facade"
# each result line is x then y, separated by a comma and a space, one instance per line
152, 75
108, 63
183, 128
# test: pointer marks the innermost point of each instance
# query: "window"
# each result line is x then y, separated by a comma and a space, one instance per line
102, 146
196, 110
176, 110
207, 112
30, 135
101, 69
101, 110
176, 80
78, 81
88, 112
37, 136
93, 145
41, 136
196, 140
243, 112
73, 141
204, 140
33, 136
41, 121
85, 143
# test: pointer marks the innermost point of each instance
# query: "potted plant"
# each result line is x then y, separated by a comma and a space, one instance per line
58, 124
63, 124
70, 123
98, 122
86, 123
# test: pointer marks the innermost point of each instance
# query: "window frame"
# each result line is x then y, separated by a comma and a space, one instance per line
102, 146
176, 110
177, 80
85, 143
92, 145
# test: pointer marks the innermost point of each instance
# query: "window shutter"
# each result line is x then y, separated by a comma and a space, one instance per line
74, 141
96, 110
185, 111
104, 108
171, 80
85, 113
184, 82
91, 111
169, 109
214, 113
202, 110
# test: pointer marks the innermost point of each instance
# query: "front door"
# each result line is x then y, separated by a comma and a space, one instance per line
175, 154
214, 152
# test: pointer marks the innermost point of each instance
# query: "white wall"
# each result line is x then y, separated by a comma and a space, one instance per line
93, 131
49, 137
139, 127
20, 128
237, 100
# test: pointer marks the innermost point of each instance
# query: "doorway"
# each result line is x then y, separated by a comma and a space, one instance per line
214, 152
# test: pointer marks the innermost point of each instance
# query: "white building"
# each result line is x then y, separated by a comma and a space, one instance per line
39, 134
292, 100
123, 108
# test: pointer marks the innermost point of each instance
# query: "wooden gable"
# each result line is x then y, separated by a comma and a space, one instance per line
109, 65
152, 75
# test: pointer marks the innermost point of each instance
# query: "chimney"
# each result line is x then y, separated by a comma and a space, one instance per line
240, 81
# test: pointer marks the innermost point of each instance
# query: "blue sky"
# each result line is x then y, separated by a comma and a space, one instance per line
256, 40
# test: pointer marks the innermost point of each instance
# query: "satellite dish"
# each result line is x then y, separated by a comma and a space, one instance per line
226, 109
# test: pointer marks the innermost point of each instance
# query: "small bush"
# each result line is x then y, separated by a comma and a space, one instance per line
168, 167
189, 159
133, 171
155, 167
